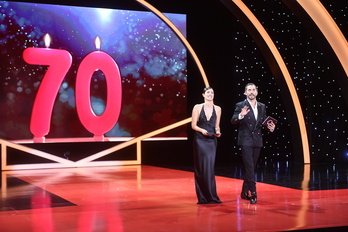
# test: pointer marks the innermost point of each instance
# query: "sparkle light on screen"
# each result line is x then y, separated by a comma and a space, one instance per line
151, 59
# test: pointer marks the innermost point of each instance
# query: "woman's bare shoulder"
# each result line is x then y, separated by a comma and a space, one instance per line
198, 105
217, 107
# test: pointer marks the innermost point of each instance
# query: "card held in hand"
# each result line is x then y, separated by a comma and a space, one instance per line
268, 121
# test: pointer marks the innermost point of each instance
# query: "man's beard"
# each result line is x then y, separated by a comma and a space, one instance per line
251, 96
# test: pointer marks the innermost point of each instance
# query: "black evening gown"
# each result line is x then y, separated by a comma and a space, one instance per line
204, 152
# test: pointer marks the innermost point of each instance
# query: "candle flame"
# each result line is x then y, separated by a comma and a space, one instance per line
47, 40
97, 42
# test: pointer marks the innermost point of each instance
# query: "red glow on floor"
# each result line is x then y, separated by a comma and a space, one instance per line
146, 198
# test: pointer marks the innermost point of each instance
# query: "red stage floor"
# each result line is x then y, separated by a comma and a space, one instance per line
147, 198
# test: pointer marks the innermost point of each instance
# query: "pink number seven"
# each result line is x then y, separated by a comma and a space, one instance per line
58, 62
98, 125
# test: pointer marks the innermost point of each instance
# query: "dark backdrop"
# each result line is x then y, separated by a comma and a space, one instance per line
231, 57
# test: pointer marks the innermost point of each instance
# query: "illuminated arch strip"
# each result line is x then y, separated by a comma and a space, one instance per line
284, 70
133, 141
86, 162
329, 29
180, 35
59, 162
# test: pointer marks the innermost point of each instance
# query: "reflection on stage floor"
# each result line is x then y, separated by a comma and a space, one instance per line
147, 198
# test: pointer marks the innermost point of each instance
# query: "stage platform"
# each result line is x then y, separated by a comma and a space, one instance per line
150, 199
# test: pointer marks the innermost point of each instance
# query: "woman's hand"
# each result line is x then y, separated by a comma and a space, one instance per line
217, 134
205, 132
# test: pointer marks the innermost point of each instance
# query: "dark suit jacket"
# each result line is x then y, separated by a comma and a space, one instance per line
249, 132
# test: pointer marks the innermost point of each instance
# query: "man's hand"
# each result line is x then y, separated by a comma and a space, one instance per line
271, 126
245, 111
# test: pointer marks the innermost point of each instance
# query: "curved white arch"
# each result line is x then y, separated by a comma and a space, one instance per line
261, 30
276, 54
329, 28
180, 35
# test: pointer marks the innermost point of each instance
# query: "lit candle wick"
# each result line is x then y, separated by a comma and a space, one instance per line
97, 42
47, 40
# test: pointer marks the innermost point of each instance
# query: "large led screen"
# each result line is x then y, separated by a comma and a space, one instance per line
136, 84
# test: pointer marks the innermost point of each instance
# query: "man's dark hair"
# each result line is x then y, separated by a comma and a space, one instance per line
246, 86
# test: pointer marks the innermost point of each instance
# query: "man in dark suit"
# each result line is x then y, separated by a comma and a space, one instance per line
250, 114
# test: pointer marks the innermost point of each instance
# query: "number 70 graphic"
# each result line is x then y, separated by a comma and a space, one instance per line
59, 62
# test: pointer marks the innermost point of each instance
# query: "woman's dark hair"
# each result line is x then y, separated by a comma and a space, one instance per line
206, 88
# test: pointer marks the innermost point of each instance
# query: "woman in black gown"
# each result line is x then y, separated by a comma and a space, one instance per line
206, 125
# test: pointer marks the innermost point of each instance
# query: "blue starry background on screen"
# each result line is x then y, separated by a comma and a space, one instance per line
151, 58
